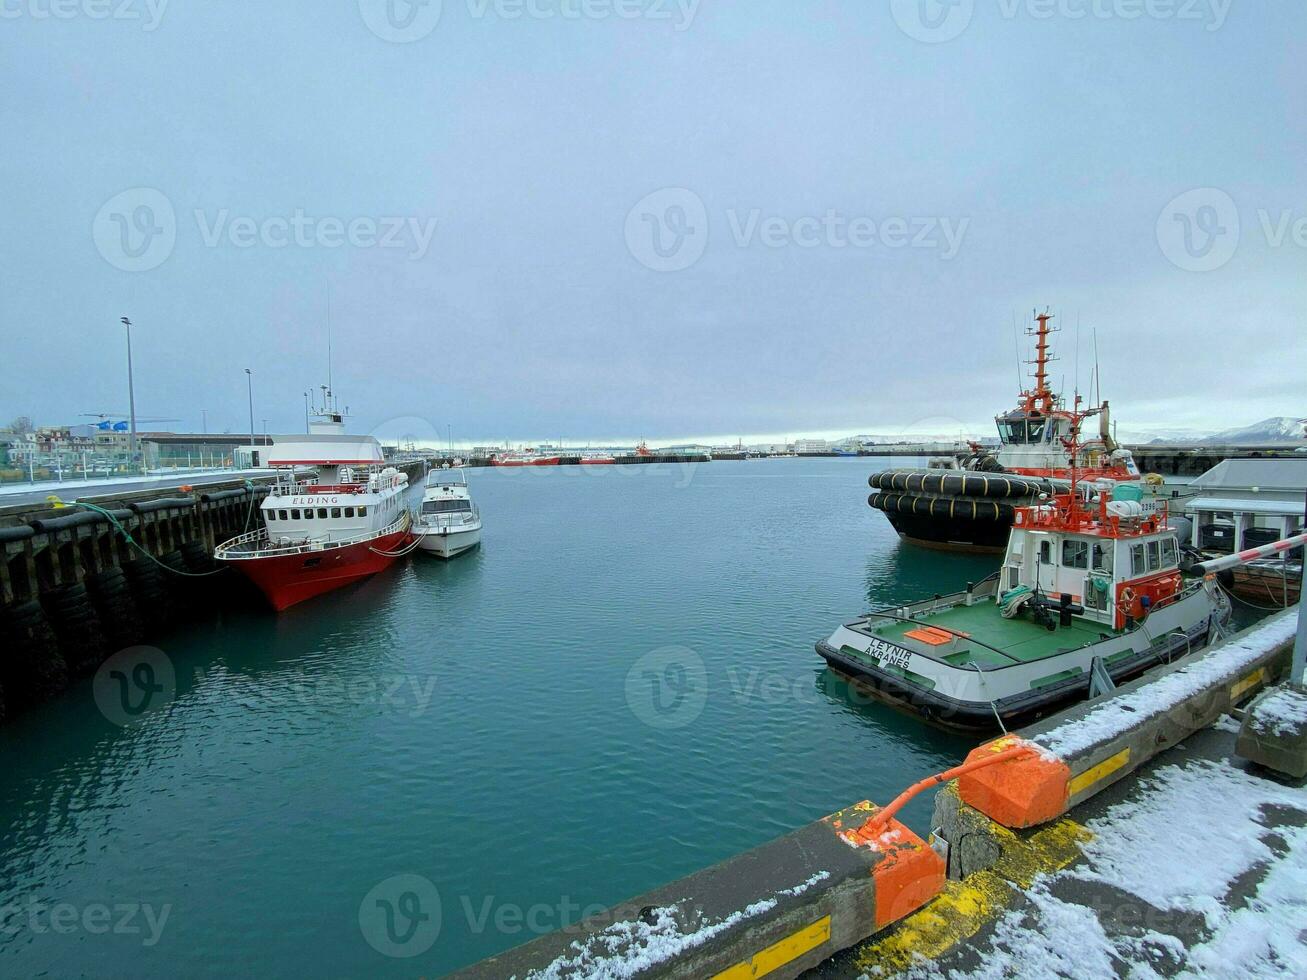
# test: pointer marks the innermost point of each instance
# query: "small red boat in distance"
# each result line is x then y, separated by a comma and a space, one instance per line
527, 457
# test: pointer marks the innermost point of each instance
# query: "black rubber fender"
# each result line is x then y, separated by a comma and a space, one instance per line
958, 483
956, 508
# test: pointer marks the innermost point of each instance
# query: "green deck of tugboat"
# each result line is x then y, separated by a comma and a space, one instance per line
1021, 639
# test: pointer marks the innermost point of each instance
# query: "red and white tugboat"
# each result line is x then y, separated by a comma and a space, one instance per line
1090, 593
345, 524
967, 503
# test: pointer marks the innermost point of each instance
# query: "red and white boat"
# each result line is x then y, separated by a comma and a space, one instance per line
525, 457
967, 502
346, 524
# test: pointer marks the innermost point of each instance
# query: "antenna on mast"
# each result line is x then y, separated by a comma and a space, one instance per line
1097, 377
1077, 354
328, 335
1016, 351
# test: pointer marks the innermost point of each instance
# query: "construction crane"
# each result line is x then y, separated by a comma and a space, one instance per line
123, 415
117, 421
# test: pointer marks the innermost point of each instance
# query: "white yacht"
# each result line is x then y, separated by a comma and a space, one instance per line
448, 522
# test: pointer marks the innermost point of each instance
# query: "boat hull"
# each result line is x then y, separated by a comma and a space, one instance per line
969, 700
448, 544
286, 580
980, 718
986, 537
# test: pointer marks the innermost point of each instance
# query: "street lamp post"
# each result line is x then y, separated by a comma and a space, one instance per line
307, 426
249, 382
131, 388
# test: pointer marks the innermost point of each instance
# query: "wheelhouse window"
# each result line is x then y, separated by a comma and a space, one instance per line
1045, 553
281, 515
335, 512
1021, 431
1138, 560
349, 511
294, 515
322, 513
1168, 552
446, 506
363, 512
1154, 555
1102, 558
1075, 554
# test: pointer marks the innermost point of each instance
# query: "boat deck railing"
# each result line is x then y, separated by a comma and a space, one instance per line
304, 489
983, 589
259, 544
452, 520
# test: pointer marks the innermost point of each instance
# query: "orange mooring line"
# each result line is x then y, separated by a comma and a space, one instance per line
882, 816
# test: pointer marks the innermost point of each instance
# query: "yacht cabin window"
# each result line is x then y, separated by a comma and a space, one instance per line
446, 506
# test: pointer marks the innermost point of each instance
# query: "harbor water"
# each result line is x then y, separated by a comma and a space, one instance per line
618, 688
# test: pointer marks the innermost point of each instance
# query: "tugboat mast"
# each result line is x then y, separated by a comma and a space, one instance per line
1041, 400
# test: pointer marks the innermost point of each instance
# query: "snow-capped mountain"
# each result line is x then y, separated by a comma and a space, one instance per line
1281, 428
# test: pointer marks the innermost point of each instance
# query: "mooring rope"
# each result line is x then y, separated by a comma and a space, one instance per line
136, 544
407, 522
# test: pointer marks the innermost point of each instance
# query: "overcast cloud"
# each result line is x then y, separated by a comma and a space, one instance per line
612, 219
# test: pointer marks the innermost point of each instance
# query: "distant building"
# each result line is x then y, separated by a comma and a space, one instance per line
163, 450
688, 449
811, 447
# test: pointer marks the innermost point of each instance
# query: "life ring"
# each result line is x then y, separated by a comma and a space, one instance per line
1127, 599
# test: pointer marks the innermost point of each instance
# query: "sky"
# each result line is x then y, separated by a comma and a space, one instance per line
606, 220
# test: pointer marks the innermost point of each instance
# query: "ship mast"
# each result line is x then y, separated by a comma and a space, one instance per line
1041, 399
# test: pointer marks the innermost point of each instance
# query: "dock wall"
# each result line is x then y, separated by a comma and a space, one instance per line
74, 590
774, 911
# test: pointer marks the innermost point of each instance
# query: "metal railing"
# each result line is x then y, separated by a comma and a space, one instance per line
259, 544
448, 519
